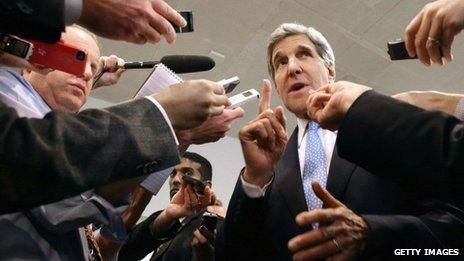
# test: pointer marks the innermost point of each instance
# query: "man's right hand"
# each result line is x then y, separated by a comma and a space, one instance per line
190, 103
263, 140
136, 21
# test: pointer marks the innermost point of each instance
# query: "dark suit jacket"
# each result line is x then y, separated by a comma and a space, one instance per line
174, 244
46, 160
397, 140
42, 20
397, 216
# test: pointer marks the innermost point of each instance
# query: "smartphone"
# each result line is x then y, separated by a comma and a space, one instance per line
15, 46
397, 50
229, 84
60, 56
197, 185
188, 16
209, 220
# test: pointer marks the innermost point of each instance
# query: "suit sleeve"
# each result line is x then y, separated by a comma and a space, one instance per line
41, 20
439, 228
394, 139
242, 236
141, 241
44, 160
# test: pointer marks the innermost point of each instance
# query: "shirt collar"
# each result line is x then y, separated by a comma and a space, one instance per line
302, 124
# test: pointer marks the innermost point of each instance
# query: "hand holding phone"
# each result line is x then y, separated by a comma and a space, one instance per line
197, 185
188, 16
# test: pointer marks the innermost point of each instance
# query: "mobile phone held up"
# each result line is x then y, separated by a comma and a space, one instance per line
188, 16
197, 185
209, 220
58, 56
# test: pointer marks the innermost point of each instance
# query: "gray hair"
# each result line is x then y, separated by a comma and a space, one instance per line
323, 47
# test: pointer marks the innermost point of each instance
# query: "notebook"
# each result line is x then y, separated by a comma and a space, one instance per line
159, 79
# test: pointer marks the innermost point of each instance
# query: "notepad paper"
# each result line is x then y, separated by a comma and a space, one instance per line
160, 78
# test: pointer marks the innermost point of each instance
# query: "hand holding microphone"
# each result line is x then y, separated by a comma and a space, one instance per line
177, 63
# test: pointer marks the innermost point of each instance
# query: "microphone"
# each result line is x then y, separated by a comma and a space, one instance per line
177, 63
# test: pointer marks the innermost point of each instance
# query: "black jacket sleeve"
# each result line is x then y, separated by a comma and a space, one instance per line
41, 20
397, 140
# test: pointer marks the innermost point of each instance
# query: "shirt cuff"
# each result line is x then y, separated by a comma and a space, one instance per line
165, 115
459, 112
254, 191
72, 11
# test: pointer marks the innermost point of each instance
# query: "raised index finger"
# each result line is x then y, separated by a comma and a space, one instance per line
265, 102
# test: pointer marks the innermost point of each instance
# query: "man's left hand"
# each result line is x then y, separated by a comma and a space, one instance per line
110, 66
342, 234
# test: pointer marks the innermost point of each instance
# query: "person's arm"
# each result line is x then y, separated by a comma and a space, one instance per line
74, 153
395, 139
432, 100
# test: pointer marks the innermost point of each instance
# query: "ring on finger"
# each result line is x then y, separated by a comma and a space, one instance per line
433, 40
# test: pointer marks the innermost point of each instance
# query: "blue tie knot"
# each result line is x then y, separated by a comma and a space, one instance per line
313, 126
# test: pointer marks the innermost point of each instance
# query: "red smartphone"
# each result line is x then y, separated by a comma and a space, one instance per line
60, 56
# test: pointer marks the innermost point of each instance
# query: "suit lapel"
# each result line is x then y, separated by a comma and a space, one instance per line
288, 177
340, 172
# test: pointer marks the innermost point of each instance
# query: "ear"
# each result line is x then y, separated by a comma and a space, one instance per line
331, 71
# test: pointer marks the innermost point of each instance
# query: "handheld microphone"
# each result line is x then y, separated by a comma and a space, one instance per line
177, 63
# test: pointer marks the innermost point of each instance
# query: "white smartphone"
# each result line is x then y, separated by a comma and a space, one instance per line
229, 84
242, 98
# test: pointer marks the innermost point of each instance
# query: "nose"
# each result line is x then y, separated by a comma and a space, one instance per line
294, 67
177, 180
87, 76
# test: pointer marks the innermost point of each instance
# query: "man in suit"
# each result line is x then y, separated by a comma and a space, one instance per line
268, 215
176, 233
60, 151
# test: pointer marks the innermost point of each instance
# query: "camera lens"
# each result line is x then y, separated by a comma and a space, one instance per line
80, 55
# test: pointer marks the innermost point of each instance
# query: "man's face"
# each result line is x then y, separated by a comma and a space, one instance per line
298, 68
63, 91
186, 166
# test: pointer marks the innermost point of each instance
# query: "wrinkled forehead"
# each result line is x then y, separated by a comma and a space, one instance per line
82, 39
292, 43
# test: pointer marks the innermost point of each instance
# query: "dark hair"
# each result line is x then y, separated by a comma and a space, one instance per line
206, 170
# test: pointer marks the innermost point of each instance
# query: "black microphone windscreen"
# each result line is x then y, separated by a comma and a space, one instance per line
188, 63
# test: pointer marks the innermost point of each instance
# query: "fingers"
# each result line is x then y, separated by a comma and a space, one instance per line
328, 200
410, 34
232, 114
328, 215
265, 102
434, 47
160, 26
324, 250
422, 39
447, 40
169, 13
279, 113
315, 237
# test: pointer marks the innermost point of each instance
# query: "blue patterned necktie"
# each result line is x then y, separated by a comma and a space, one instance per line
314, 167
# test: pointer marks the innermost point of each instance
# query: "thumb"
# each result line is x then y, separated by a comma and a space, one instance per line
328, 200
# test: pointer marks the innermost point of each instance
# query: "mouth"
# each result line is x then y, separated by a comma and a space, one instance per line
173, 192
78, 86
297, 86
